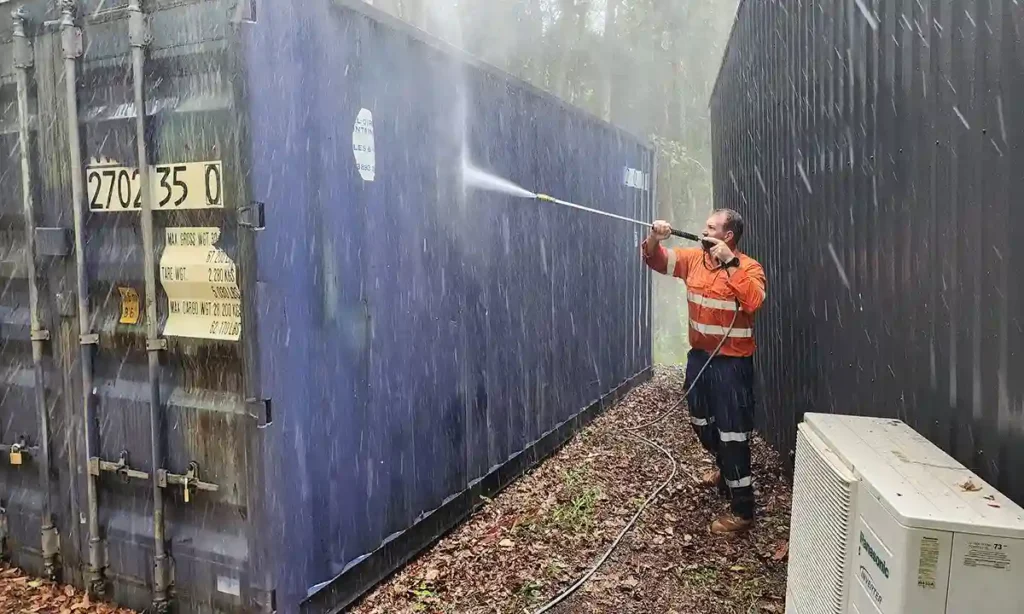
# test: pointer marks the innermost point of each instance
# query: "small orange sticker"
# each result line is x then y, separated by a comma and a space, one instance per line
130, 311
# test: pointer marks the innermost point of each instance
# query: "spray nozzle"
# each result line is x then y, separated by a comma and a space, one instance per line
545, 197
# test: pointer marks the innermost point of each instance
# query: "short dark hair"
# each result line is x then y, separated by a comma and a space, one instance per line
733, 222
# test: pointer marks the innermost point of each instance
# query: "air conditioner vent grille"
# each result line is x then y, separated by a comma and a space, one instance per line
819, 533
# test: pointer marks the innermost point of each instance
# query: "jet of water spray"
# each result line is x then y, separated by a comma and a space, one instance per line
482, 180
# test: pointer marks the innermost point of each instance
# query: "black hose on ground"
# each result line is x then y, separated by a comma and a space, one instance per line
631, 431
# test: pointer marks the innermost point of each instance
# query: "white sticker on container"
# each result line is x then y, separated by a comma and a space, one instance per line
636, 178
363, 146
229, 586
200, 280
112, 188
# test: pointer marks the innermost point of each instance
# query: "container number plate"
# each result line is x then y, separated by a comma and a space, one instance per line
191, 185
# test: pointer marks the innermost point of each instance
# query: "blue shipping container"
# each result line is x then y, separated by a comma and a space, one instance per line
264, 369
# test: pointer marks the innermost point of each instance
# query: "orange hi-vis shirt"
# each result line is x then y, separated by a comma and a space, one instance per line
712, 296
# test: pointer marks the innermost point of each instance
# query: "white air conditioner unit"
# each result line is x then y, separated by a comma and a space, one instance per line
884, 522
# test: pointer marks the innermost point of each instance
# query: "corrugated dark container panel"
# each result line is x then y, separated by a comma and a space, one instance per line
358, 345
886, 219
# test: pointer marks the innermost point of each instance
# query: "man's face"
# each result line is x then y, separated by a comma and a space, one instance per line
715, 228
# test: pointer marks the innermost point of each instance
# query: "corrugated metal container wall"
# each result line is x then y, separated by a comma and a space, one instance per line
876, 148
339, 346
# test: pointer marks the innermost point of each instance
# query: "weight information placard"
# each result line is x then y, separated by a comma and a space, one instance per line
201, 283
191, 185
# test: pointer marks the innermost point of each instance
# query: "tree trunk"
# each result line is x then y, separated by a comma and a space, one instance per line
564, 44
609, 59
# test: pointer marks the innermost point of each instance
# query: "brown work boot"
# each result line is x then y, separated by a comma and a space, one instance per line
711, 478
730, 524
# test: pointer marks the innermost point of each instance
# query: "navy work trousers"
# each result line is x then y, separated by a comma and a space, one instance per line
722, 414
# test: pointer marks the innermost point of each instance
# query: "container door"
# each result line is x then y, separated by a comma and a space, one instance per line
193, 443
37, 416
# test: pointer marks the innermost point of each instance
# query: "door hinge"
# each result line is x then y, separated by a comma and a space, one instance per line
252, 216
139, 34
70, 37
22, 46
260, 410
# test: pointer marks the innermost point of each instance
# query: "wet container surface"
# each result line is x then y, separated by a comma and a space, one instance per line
454, 334
352, 344
875, 149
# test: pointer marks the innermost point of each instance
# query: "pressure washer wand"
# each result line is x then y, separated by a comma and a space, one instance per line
551, 199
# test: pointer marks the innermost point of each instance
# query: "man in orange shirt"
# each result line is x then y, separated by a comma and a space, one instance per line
725, 288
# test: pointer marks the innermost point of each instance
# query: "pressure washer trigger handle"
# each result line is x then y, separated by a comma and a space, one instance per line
685, 235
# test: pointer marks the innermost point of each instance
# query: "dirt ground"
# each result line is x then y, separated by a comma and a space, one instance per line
549, 527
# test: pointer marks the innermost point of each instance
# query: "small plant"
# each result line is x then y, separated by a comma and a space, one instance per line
530, 591
574, 478
423, 596
578, 512
701, 576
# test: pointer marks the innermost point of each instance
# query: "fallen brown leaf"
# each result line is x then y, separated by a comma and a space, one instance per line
969, 486
482, 576
781, 551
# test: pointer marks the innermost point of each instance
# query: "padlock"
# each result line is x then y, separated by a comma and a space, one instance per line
186, 491
15, 455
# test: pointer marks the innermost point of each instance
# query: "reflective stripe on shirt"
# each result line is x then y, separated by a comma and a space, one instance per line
713, 303
708, 329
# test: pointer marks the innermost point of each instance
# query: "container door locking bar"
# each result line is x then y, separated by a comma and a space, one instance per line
121, 468
189, 481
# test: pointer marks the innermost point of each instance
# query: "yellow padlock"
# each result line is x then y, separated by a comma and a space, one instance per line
15, 457
186, 493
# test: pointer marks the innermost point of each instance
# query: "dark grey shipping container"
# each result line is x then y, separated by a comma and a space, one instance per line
877, 149
263, 369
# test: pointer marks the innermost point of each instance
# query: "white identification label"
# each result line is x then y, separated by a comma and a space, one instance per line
993, 555
229, 586
200, 280
193, 185
927, 562
635, 178
363, 147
